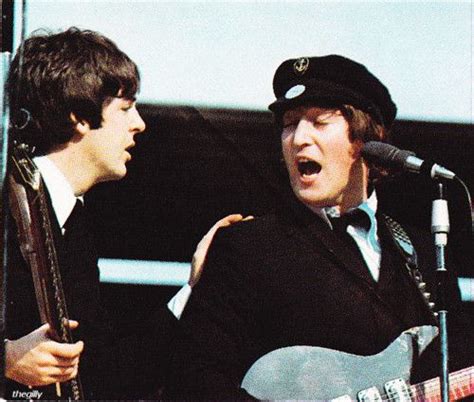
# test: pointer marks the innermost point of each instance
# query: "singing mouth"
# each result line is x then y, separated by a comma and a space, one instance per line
308, 167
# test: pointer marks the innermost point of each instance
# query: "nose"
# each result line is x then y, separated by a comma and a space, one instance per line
302, 133
137, 124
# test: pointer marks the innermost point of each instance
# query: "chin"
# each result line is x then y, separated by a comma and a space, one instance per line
312, 200
121, 175
116, 174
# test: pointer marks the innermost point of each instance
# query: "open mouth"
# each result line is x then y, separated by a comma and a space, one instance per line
308, 167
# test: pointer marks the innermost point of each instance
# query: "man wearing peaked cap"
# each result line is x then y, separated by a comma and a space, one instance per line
327, 270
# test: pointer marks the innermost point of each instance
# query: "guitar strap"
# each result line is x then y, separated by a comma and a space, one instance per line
405, 247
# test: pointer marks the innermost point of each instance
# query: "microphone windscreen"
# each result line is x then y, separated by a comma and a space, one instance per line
385, 155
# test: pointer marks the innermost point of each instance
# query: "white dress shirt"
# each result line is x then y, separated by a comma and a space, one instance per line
59, 189
367, 240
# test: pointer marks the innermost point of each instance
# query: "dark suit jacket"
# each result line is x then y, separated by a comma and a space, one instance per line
287, 279
110, 368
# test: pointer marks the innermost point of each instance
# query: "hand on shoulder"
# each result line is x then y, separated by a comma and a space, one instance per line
202, 248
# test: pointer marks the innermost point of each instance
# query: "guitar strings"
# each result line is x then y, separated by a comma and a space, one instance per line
421, 391
457, 378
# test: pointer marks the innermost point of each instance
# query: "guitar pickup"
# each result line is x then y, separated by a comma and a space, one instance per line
369, 395
397, 390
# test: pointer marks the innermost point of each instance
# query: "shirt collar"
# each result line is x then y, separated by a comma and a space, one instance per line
369, 207
62, 195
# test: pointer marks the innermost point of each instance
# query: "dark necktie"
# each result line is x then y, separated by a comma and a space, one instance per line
357, 218
75, 223
77, 246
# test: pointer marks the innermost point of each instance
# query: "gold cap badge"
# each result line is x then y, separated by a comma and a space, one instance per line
301, 65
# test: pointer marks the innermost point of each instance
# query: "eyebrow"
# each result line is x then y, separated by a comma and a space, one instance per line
132, 98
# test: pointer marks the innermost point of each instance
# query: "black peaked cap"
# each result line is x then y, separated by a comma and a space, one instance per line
331, 81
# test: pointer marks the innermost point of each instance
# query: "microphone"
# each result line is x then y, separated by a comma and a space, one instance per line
386, 155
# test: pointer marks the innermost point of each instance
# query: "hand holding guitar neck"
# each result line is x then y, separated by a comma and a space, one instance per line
36, 360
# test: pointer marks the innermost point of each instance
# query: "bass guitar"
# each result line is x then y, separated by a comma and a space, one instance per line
29, 209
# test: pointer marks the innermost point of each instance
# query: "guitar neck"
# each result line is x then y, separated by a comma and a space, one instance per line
461, 385
29, 208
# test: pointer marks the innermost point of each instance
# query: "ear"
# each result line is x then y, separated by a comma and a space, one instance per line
81, 126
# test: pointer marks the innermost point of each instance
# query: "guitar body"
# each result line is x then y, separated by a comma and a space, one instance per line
314, 373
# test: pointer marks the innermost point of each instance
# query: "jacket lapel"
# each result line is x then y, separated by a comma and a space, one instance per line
317, 234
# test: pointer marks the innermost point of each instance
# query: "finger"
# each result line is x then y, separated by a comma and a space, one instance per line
49, 360
54, 371
57, 372
65, 362
73, 324
66, 350
226, 221
229, 219
65, 375
49, 375
203, 245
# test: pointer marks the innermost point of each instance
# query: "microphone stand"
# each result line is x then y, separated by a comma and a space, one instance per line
440, 230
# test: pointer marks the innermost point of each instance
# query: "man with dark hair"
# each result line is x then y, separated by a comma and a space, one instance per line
72, 99
326, 270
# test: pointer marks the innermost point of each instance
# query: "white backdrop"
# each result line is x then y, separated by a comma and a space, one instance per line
224, 53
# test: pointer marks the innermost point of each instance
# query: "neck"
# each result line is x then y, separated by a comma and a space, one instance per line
356, 190
351, 203
73, 167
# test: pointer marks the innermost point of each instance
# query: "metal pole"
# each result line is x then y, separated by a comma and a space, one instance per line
440, 230
7, 47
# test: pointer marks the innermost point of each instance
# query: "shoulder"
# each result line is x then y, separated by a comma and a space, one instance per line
261, 230
247, 246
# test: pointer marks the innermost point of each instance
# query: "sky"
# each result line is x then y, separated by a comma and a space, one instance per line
224, 53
